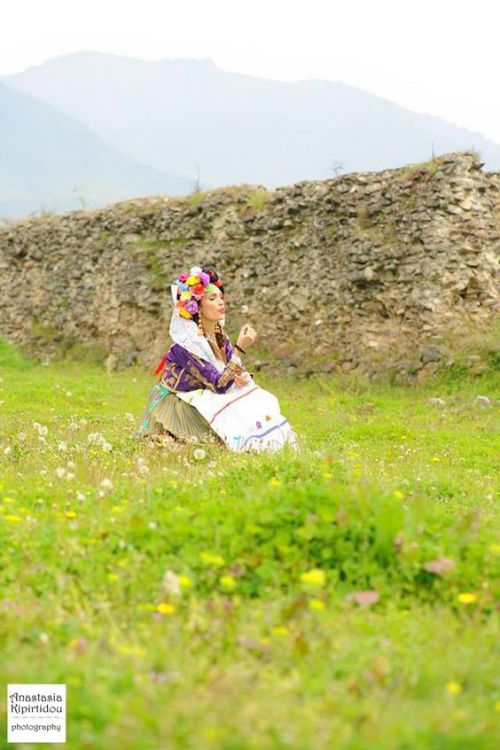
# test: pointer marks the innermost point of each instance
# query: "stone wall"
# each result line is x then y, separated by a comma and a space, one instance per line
367, 271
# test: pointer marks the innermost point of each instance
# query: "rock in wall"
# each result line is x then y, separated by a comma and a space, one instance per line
366, 271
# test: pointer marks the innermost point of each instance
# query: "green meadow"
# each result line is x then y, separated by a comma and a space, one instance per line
343, 597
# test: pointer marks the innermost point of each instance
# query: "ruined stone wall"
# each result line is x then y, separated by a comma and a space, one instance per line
365, 271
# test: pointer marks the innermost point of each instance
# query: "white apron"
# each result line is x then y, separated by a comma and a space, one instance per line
247, 418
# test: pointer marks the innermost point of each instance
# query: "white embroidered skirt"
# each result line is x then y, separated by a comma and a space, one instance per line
246, 418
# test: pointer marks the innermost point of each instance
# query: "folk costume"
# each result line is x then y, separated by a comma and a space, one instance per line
196, 398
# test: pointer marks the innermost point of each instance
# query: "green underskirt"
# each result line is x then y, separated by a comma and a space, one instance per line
165, 413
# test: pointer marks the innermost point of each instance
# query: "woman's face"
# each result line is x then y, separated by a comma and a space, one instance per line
212, 305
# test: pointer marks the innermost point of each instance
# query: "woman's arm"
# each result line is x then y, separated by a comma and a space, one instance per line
207, 376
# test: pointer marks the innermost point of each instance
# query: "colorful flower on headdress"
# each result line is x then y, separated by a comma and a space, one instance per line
192, 285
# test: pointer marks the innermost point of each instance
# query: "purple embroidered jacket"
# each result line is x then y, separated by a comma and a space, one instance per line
183, 371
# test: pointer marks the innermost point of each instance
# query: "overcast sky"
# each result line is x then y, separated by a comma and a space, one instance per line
439, 57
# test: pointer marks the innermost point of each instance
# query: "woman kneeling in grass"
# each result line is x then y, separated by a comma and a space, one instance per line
204, 393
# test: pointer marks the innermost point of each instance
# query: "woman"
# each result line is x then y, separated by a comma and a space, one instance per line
204, 393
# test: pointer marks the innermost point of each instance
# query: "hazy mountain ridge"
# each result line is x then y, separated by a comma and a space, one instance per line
190, 117
51, 161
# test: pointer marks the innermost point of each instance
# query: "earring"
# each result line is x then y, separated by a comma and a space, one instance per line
200, 326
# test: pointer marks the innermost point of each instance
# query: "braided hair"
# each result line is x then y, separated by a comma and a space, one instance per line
220, 349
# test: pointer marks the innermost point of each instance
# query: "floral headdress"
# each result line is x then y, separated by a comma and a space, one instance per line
193, 285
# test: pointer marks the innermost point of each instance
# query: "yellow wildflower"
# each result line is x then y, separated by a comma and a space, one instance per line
210, 559
70, 514
112, 577
185, 582
280, 630
131, 650
227, 582
275, 482
314, 577
13, 519
467, 598
453, 687
165, 608
317, 605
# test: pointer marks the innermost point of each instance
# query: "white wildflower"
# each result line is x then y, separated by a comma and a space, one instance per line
107, 484
62, 446
199, 454
60, 472
171, 583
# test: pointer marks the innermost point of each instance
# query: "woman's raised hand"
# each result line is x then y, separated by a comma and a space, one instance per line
243, 379
246, 336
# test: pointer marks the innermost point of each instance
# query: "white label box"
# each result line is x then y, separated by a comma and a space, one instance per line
36, 712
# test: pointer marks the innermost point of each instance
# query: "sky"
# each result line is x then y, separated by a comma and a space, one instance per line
439, 57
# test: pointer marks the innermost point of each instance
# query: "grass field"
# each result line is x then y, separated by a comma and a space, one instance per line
344, 597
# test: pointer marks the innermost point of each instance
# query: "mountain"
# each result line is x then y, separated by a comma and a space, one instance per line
190, 117
51, 161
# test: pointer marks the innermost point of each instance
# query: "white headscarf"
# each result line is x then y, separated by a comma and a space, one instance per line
186, 333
